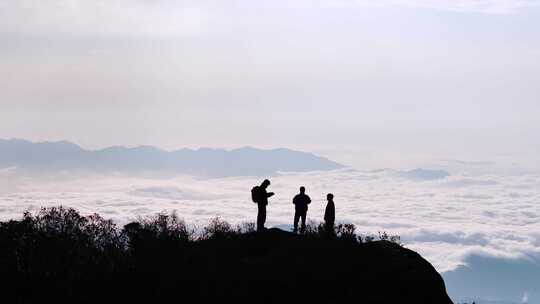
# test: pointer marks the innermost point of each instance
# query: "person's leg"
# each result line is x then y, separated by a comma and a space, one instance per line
329, 227
303, 227
261, 217
264, 217
296, 218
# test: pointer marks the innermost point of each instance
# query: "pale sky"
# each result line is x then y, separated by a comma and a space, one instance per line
441, 77
400, 84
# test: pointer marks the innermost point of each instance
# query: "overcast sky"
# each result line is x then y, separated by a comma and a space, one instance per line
371, 83
421, 76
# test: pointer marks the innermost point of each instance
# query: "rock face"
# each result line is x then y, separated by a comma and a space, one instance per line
279, 267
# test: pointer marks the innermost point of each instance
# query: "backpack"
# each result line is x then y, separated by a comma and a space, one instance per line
255, 194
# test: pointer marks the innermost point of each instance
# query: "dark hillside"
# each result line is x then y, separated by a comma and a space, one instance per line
59, 256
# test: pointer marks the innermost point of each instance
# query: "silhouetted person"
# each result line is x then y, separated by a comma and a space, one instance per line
260, 196
301, 202
330, 213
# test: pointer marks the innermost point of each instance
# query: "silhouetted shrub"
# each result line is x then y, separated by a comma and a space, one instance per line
164, 227
62, 255
102, 234
246, 227
59, 221
396, 239
217, 228
313, 228
346, 232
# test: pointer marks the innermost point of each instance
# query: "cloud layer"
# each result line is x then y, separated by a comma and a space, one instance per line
447, 220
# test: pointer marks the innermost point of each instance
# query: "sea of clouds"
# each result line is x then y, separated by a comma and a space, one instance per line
446, 219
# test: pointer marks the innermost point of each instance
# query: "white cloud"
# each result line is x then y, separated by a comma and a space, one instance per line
173, 193
525, 298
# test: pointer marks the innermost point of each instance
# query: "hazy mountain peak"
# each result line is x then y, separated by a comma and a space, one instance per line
244, 161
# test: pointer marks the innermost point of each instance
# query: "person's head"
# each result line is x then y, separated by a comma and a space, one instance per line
302, 189
330, 197
265, 183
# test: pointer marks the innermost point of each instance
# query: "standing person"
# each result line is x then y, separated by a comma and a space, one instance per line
330, 213
301, 202
260, 196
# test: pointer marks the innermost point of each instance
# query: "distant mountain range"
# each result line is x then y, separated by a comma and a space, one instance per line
245, 161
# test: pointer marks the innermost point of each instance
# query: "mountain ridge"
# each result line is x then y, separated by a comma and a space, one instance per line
212, 162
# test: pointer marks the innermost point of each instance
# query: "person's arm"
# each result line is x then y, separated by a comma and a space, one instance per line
269, 194
308, 201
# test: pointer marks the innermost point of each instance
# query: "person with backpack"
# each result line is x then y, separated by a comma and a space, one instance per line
301, 202
260, 196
